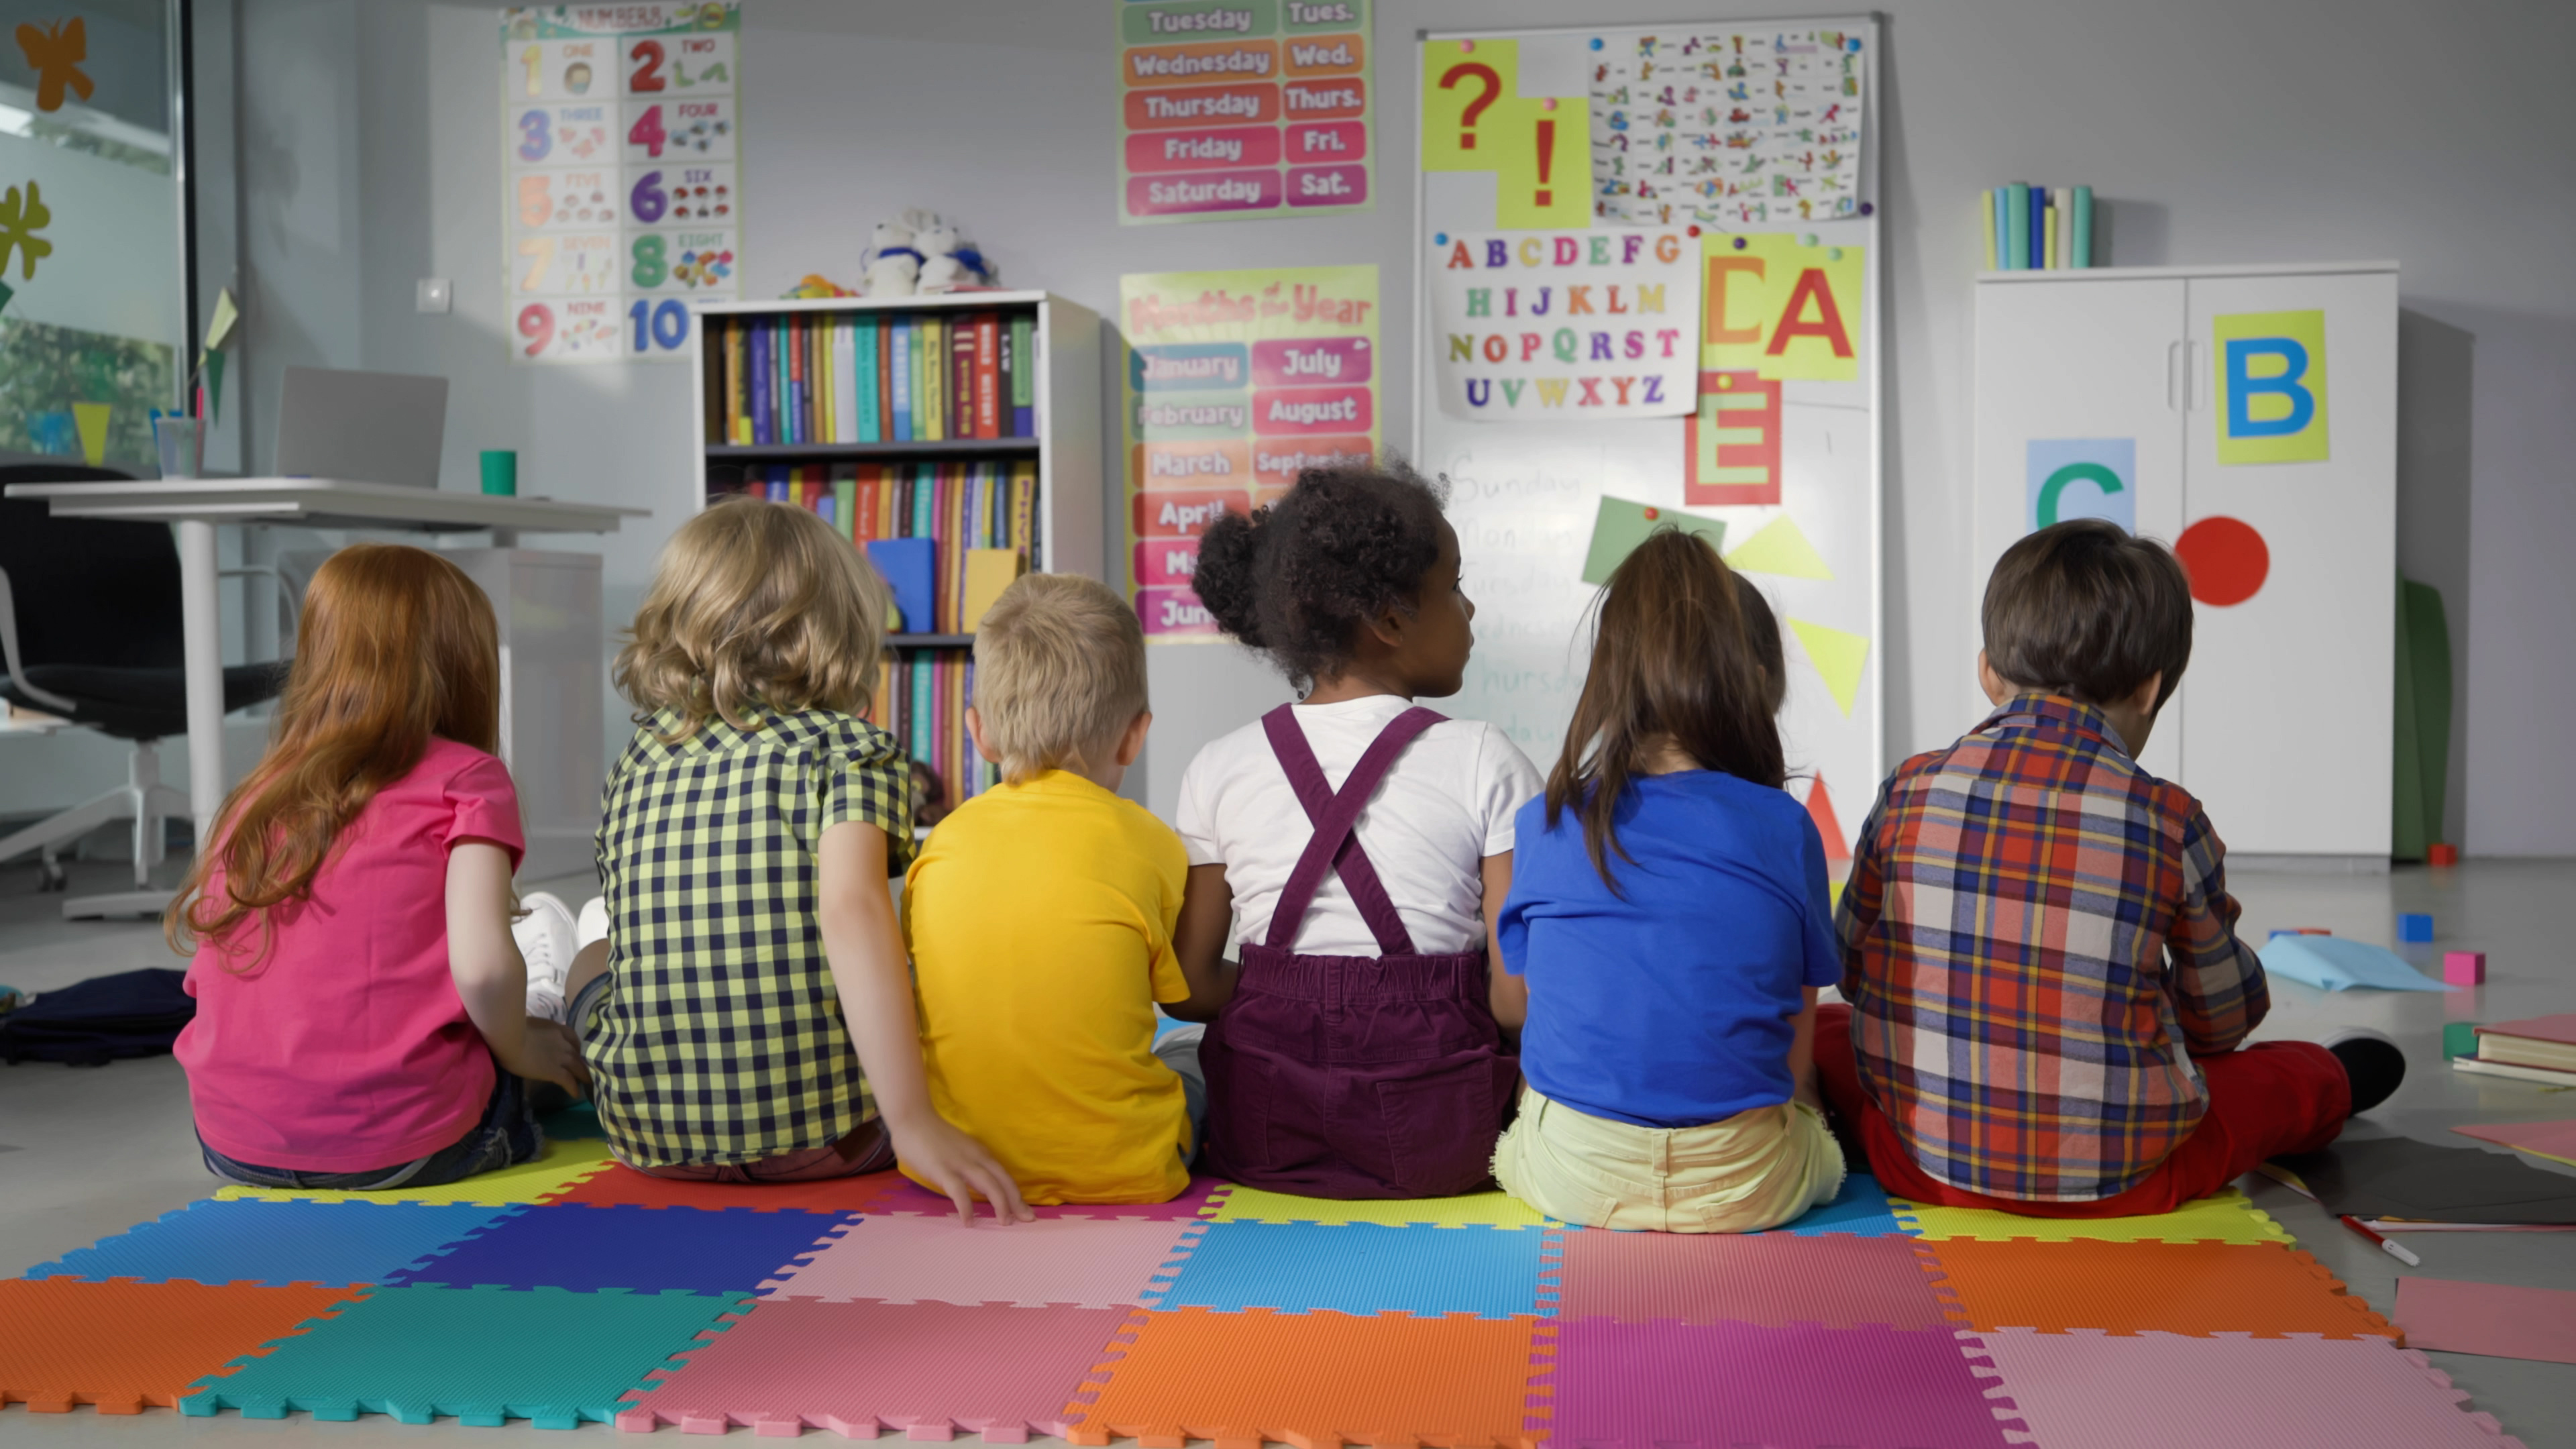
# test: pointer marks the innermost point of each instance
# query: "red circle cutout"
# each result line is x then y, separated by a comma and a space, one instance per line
2226, 559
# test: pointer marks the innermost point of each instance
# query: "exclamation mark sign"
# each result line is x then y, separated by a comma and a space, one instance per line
1546, 159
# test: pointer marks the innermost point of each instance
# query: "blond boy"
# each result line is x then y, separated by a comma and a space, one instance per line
1040, 916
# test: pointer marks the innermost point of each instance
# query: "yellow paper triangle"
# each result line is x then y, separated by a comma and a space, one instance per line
1838, 656
1780, 548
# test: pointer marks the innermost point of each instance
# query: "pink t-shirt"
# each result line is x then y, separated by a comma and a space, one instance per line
347, 1048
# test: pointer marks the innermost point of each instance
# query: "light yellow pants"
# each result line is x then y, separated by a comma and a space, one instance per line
1757, 1169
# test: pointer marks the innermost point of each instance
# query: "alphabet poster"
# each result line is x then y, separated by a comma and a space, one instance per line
1235, 383
1233, 108
621, 137
1775, 448
1575, 324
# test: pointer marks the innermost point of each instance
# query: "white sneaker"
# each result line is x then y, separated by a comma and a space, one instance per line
546, 943
593, 925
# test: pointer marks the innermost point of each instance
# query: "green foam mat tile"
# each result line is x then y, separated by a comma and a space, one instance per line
481, 1355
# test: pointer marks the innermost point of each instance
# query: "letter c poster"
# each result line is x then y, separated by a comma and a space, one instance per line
1235, 383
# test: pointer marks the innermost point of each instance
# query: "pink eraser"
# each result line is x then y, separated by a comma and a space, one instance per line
2464, 968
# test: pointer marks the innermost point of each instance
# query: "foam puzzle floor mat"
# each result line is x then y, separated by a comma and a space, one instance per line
573, 1290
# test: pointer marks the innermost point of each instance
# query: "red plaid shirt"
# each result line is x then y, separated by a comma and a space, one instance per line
2037, 935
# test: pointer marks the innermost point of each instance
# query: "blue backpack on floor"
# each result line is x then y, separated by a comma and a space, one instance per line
91, 1023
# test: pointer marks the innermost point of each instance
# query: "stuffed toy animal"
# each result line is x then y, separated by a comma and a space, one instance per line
921, 252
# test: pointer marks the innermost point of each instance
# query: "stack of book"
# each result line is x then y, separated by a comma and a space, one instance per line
921, 700
960, 506
2034, 228
2542, 1049
792, 379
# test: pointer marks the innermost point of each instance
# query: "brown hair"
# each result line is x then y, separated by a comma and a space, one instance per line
2084, 608
1672, 659
755, 605
1059, 674
396, 645
1762, 631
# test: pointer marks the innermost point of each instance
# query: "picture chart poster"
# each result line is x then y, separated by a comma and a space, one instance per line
621, 137
1727, 125
1235, 383
1777, 442
1236, 108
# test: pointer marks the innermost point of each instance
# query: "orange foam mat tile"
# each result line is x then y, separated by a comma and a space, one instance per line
1314, 1380
2198, 1289
123, 1344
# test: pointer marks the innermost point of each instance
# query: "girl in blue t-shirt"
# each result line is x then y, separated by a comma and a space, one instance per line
1668, 912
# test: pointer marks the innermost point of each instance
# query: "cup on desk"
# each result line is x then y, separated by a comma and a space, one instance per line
182, 441
501, 472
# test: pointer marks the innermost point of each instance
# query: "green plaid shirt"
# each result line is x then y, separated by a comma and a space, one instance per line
720, 1038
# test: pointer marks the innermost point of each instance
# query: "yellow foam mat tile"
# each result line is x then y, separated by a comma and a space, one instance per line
559, 1167
1475, 1210
2226, 1217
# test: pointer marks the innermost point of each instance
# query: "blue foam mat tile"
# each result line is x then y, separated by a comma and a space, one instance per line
1356, 1268
587, 1248
1860, 1209
480, 1355
329, 1244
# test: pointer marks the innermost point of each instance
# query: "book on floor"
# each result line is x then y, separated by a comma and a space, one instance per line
2541, 1041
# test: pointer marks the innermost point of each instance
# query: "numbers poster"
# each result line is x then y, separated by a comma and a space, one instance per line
1235, 383
622, 186
1234, 108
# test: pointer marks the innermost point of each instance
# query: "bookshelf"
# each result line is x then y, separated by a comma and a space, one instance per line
813, 443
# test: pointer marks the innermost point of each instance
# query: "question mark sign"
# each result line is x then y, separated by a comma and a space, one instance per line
1493, 87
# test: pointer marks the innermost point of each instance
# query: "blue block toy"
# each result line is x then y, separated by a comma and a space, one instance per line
2414, 926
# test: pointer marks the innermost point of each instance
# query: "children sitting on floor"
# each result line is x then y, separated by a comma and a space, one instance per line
361, 1019
2046, 988
1668, 910
750, 1016
1363, 844
1040, 916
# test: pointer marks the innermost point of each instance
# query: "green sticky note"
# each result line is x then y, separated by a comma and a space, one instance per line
1621, 525
2459, 1039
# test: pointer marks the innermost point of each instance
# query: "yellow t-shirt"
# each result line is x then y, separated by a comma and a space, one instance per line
1040, 919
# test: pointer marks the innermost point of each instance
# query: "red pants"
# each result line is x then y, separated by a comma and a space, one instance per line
2265, 1101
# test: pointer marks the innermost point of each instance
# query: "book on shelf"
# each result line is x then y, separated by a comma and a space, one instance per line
958, 508
804, 379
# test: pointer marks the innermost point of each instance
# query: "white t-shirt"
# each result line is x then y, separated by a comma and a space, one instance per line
1446, 804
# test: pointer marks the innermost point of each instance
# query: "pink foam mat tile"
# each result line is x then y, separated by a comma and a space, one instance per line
1773, 1280
1601, 1384
1081, 1262
2154, 1390
904, 1197
926, 1370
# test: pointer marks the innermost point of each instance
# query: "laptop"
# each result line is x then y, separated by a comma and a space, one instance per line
361, 427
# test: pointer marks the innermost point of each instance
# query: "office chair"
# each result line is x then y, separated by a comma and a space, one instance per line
90, 632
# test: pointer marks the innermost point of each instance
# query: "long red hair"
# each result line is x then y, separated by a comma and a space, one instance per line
395, 645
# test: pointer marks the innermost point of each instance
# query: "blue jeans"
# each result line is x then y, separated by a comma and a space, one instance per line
507, 1134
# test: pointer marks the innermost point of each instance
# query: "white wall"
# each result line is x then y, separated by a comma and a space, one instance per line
2215, 132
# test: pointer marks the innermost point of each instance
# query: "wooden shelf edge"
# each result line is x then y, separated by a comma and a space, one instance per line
930, 641
789, 452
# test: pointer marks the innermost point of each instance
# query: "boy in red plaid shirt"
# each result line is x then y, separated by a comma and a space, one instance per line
2046, 989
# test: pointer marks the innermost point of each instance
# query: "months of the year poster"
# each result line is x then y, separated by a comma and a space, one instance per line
622, 189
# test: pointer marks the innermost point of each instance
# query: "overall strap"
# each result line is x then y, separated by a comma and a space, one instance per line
1336, 842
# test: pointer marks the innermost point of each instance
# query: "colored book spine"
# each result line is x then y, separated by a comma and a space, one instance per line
1986, 216
2017, 226
845, 501
1024, 511
2048, 243
1999, 225
2080, 248
796, 388
930, 390
845, 380
763, 430
863, 330
2037, 246
1024, 377
899, 363
961, 379
2061, 214
988, 375
732, 382
782, 395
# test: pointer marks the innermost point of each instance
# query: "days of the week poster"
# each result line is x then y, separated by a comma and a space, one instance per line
1235, 383
1236, 108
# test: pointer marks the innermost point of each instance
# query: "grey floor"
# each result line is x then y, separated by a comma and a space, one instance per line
86, 1153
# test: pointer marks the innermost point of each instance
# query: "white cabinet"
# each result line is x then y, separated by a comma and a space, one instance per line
2249, 415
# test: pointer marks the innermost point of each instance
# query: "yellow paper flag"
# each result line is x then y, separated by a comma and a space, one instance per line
91, 418
219, 328
1838, 657
1474, 118
1779, 548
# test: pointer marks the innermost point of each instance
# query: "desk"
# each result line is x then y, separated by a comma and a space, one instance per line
196, 505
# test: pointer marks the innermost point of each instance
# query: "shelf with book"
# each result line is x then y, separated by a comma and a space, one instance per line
949, 432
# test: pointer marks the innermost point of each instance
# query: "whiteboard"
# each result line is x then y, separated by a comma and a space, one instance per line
1524, 494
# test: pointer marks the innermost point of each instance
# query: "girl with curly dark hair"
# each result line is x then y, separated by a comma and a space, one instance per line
1364, 843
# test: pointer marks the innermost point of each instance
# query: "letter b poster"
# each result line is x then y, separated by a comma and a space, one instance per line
1235, 383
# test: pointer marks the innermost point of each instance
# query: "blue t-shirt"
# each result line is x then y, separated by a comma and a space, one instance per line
1676, 1006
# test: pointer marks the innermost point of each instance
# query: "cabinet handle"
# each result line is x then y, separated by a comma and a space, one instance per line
2193, 398
2170, 349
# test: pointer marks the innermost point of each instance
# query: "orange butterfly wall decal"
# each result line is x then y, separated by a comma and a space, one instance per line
55, 52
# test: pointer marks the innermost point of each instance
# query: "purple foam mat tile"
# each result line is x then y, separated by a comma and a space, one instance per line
926, 1370
1085, 1262
1836, 1281
1662, 1385
2091, 1390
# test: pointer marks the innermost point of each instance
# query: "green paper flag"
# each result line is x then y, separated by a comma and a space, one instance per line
214, 366
1621, 525
1838, 656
